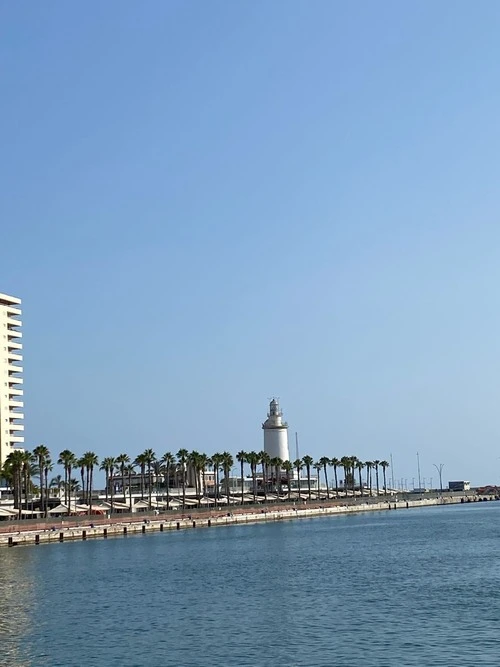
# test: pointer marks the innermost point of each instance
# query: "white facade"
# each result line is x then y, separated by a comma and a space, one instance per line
11, 382
276, 433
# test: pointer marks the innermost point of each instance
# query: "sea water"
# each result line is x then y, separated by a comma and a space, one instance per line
406, 587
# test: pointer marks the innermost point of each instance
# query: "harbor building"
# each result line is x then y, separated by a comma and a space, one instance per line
11, 381
276, 433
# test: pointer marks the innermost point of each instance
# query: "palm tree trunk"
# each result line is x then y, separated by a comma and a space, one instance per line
46, 492
90, 489
111, 484
336, 482
326, 482
130, 489
242, 489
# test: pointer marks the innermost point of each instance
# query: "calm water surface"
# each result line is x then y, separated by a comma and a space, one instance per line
413, 587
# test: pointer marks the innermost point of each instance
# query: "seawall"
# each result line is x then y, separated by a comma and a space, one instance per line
17, 534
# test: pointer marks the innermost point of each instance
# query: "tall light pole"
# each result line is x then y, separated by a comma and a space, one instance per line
440, 471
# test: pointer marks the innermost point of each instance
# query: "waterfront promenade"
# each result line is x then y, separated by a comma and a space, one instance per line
88, 527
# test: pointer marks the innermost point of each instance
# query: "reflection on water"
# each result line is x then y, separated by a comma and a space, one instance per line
17, 591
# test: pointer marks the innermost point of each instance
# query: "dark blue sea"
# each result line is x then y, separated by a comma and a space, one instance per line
412, 587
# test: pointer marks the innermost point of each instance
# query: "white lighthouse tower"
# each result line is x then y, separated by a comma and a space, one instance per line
276, 433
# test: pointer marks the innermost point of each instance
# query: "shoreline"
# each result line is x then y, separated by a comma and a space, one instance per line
17, 534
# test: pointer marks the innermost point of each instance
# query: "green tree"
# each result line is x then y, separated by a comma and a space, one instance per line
91, 461
345, 462
308, 462
324, 463
57, 483
42, 453
81, 467
369, 466
122, 461
335, 463
253, 460
227, 464
298, 465
182, 457
264, 460
141, 461
359, 467
108, 465
68, 460
242, 458
376, 464
168, 460
13, 473
288, 468
384, 465
46, 469
216, 462
129, 470
318, 467
193, 461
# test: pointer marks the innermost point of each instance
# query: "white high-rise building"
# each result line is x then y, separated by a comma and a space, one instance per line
11, 381
276, 433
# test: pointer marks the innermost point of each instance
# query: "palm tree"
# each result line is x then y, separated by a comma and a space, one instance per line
168, 461
264, 460
368, 466
352, 471
318, 467
27, 472
345, 462
298, 467
288, 468
91, 461
149, 458
122, 461
141, 462
41, 453
13, 472
129, 468
324, 462
81, 464
335, 463
278, 466
193, 463
242, 458
46, 469
253, 460
227, 464
308, 462
182, 456
58, 483
202, 467
216, 462
376, 464
384, 465
108, 465
359, 466
66, 459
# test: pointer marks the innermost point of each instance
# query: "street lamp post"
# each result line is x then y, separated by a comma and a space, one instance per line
440, 472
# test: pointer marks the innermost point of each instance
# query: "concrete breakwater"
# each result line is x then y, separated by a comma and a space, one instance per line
17, 534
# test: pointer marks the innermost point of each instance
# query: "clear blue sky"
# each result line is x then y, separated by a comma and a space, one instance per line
205, 204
